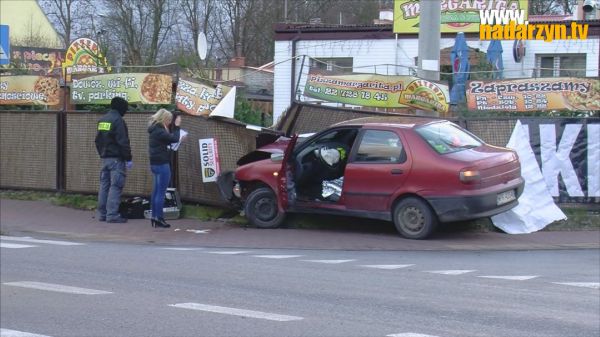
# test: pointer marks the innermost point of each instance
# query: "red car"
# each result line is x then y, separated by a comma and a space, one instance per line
414, 172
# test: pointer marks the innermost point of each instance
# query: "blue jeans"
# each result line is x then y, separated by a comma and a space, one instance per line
161, 177
112, 181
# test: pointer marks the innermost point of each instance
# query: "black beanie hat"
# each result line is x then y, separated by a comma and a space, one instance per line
119, 104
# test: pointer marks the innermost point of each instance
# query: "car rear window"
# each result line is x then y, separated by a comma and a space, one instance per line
447, 137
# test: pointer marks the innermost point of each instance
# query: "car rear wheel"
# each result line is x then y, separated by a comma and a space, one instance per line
261, 209
414, 219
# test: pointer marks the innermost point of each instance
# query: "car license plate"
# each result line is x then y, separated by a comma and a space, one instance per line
505, 197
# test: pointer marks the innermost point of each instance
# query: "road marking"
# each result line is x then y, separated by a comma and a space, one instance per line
236, 312
388, 266
228, 253
513, 278
450, 272
32, 240
181, 248
14, 245
15, 333
277, 256
329, 261
410, 334
57, 287
593, 285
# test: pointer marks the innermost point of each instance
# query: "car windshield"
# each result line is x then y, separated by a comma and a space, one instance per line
447, 137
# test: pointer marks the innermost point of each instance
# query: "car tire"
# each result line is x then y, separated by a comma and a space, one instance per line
414, 219
261, 209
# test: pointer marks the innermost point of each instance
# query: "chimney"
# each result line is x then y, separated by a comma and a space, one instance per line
237, 62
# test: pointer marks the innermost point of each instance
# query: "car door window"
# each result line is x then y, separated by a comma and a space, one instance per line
380, 147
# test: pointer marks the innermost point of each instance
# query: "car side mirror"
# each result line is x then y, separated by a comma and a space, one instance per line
276, 156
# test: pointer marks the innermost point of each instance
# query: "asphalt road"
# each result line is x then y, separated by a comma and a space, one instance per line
100, 289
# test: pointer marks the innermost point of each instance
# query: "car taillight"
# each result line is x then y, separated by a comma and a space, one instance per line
469, 176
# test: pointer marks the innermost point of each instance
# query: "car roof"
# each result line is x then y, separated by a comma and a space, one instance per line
393, 121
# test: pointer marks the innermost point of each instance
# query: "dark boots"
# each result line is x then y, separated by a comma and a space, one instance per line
159, 223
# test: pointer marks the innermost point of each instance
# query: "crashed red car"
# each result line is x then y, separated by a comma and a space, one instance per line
413, 172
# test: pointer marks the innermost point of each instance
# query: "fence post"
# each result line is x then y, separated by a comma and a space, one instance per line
61, 148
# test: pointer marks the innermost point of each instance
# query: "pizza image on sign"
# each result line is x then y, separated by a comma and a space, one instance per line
29, 90
49, 87
156, 88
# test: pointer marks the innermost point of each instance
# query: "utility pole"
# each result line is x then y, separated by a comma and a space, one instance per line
429, 44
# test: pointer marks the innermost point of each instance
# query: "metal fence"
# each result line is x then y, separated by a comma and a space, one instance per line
54, 150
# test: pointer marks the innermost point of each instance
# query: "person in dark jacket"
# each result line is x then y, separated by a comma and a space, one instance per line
161, 136
112, 144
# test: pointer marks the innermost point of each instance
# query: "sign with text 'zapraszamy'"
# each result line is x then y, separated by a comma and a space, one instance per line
144, 88
378, 91
534, 94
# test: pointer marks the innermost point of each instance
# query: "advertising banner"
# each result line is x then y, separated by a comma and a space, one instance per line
456, 16
209, 159
198, 99
567, 151
534, 94
83, 57
40, 61
29, 90
145, 88
378, 91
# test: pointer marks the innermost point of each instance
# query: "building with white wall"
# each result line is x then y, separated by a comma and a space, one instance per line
376, 49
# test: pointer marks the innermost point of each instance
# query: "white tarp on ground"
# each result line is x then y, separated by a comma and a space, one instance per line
536, 207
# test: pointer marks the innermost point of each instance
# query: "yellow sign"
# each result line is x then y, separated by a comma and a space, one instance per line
456, 16
378, 91
83, 57
198, 99
145, 88
29, 90
534, 94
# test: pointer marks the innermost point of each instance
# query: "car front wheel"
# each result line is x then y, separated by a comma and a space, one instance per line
261, 209
414, 219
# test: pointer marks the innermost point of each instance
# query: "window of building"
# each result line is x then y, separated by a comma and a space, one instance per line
566, 65
335, 65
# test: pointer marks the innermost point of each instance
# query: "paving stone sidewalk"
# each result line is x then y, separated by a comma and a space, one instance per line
42, 219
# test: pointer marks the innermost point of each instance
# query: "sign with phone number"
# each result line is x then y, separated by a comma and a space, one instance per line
378, 91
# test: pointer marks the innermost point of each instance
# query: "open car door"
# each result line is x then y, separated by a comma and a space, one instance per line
285, 179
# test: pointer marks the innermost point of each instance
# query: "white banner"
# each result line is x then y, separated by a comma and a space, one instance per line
536, 208
209, 159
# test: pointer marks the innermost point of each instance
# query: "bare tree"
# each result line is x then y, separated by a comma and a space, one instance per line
545, 7
69, 17
142, 26
197, 14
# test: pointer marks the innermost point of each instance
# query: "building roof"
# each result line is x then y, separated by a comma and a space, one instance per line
549, 18
305, 31
25, 19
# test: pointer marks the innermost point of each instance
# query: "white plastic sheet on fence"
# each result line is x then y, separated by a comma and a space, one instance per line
536, 207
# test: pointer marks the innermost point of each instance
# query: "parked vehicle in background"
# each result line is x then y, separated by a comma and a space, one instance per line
415, 172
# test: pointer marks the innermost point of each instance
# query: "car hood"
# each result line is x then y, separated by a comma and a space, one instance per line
278, 146
265, 152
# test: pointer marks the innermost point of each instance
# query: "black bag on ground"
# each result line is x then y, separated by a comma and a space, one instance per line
133, 208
